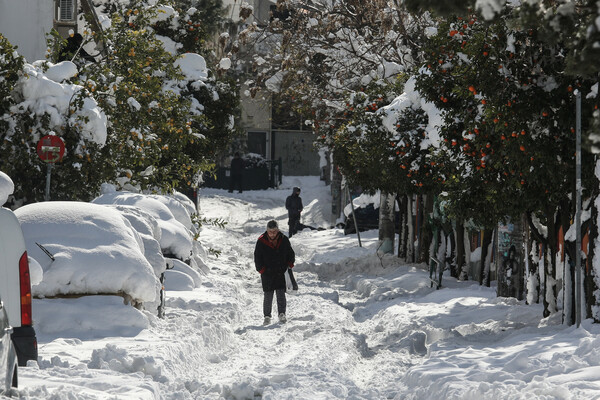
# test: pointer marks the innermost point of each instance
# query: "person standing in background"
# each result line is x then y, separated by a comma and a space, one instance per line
236, 170
293, 204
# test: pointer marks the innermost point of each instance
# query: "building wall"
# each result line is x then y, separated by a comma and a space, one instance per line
298, 155
295, 148
261, 9
25, 24
233, 11
256, 111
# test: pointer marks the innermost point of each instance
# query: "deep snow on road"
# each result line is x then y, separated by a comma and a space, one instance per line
361, 327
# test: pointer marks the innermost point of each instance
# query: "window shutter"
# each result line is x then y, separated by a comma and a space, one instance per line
67, 12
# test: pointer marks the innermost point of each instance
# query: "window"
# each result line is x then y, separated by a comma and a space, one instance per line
257, 143
66, 10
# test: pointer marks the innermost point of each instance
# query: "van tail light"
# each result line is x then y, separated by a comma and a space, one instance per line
25, 280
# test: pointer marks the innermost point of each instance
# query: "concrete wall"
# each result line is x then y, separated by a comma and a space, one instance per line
298, 155
25, 24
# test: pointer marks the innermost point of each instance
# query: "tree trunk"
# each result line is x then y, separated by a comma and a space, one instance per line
387, 223
336, 195
589, 285
534, 239
550, 267
410, 232
460, 251
403, 223
418, 227
569, 301
510, 260
425, 241
484, 275
451, 259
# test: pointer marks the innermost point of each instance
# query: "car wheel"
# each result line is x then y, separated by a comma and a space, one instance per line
15, 378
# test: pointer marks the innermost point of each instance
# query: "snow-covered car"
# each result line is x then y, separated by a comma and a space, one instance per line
88, 249
367, 218
15, 284
366, 210
8, 354
172, 228
171, 214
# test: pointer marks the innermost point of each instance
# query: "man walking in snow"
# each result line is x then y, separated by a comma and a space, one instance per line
273, 256
293, 204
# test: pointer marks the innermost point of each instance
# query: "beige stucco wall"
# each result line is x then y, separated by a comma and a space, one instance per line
256, 112
25, 24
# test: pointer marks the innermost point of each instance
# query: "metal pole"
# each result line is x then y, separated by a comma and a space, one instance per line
354, 216
578, 210
48, 173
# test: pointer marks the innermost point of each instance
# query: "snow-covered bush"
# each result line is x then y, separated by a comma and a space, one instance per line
253, 160
39, 99
148, 99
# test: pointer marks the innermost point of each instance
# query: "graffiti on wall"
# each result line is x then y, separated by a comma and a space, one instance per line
297, 153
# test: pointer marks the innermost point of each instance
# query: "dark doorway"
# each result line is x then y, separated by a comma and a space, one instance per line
257, 143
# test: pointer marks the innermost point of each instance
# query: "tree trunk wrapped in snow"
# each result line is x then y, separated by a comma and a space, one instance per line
387, 222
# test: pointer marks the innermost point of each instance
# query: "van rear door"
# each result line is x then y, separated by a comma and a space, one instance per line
15, 286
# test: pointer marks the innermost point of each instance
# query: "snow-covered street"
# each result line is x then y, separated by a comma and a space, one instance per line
361, 327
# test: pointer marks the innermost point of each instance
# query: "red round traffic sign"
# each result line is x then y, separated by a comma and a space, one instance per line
51, 148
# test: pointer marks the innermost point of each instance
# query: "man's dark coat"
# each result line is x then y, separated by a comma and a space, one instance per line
272, 260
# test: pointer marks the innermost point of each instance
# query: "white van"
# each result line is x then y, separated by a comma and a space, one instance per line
15, 286
8, 356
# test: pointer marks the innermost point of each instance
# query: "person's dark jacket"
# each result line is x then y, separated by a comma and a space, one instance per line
74, 48
237, 166
273, 260
293, 204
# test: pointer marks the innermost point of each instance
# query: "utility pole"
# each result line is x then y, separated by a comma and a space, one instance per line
578, 209
353, 214
88, 8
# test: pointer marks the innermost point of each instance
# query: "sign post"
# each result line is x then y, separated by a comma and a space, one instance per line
51, 149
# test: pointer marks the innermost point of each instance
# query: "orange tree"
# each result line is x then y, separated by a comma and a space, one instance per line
149, 127
190, 26
161, 126
24, 121
383, 147
509, 117
374, 157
